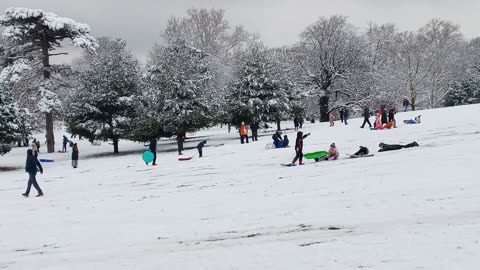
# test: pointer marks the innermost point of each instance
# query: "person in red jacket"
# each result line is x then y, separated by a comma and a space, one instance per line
243, 132
299, 147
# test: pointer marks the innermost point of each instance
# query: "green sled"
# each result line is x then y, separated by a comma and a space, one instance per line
316, 155
147, 156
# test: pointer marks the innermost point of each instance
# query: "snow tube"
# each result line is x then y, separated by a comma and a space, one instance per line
147, 156
45, 160
315, 155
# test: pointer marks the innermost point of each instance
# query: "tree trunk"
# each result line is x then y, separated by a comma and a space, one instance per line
48, 115
278, 125
324, 108
50, 136
115, 146
412, 104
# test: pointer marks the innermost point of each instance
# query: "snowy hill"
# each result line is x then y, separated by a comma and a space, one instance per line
237, 208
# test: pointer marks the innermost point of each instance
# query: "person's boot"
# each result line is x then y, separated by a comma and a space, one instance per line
25, 195
301, 163
39, 194
415, 143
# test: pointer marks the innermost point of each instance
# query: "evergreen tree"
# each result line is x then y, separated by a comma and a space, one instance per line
260, 92
35, 34
178, 99
463, 93
10, 120
104, 104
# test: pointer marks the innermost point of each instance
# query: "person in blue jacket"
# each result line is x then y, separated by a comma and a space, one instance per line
31, 166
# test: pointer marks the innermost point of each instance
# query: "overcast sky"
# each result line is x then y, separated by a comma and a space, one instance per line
278, 22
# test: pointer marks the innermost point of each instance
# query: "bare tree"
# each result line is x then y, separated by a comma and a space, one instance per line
328, 52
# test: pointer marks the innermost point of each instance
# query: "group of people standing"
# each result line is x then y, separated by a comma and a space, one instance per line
383, 119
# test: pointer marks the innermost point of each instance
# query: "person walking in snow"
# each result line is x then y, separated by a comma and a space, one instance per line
64, 144
243, 133
75, 156
345, 116
333, 153
299, 147
180, 140
31, 167
296, 123
200, 147
342, 115
405, 104
391, 147
331, 119
153, 148
254, 127
300, 122
366, 117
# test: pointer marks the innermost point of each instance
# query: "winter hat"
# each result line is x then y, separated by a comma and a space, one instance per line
299, 134
381, 144
332, 145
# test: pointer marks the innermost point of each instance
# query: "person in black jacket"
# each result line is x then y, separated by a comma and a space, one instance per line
254, 128
276, 137
342, 115
200, 147
384, 115
75, 156
285, 141
31, 167
296, 123
153, 148
362, 151
391, 116
391, 147
299, 147
366, 117
345, 115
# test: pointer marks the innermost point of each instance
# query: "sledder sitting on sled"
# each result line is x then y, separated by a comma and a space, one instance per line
277, 139
413, 121
332, 152
362, 151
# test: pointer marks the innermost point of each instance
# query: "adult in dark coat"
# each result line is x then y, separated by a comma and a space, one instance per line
296, 123
366, 117
180, 140
254, 128
285, 141
64, 144
391, 147
384, 115
153, 148
75, 156
345, 115
200, 147
342, 115
31, 167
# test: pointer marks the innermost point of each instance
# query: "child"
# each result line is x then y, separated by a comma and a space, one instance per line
331, 118
75, 156
362, 151
378, 123
412, 121
285, 141
299, 147
391, 147
200, 147
332, 153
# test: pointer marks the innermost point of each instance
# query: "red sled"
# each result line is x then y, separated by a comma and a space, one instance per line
186, 158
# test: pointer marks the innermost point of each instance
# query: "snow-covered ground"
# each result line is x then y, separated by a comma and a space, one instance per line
237, 208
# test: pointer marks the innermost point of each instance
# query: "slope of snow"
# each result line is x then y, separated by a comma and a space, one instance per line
237, 208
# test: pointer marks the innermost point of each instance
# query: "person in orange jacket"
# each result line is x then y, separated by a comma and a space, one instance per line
243, 132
